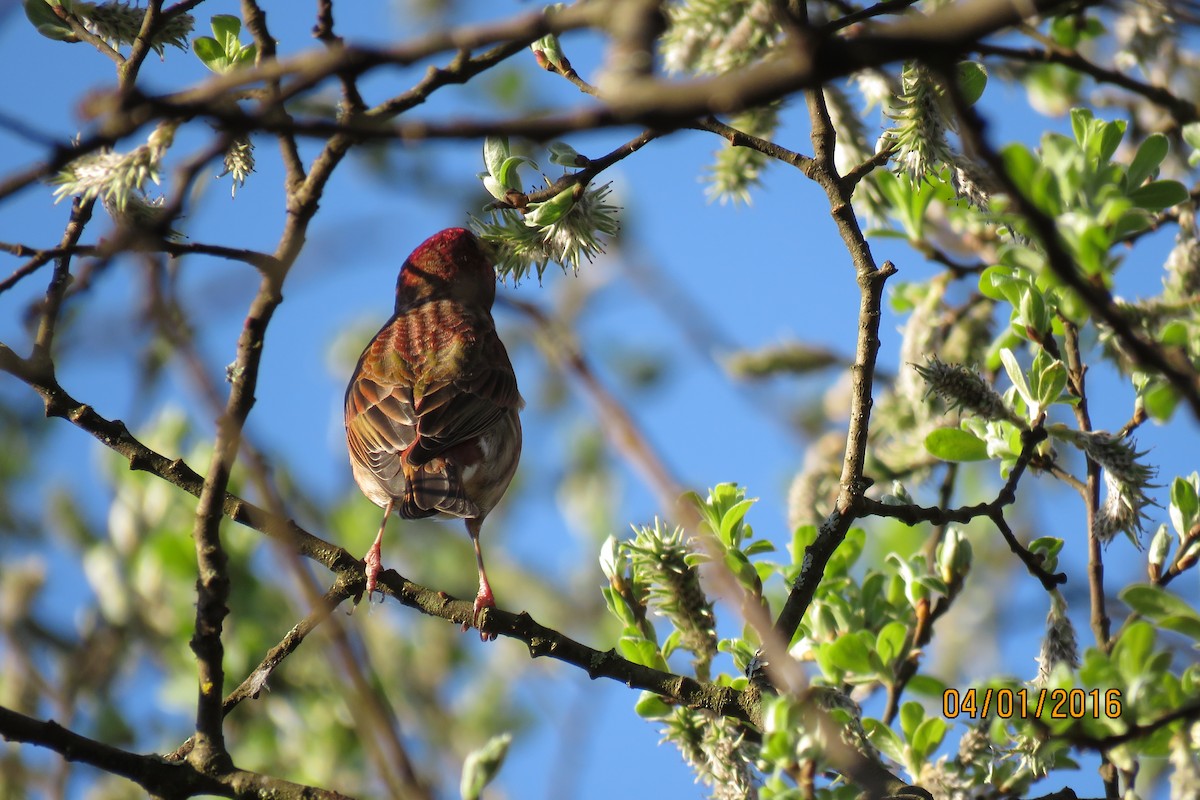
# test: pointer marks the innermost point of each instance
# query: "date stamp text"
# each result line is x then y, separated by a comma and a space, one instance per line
1031, 703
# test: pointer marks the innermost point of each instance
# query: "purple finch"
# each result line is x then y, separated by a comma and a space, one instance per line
431, 410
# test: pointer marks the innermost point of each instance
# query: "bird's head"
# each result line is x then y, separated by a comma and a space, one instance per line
452, 265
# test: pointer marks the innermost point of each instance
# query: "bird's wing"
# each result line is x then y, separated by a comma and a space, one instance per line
380, 426
463, 405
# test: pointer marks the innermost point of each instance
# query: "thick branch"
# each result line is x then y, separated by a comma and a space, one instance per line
158, 777
213, 583
870, 281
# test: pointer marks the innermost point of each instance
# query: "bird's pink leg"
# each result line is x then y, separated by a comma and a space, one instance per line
373, 560
484, 598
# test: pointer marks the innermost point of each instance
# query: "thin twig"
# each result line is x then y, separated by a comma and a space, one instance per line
127, 70
272, 99
39, 258
41, 357
583, 176
256, 681
1076, 372
913, 514
1051, 53
84, 35
323, 32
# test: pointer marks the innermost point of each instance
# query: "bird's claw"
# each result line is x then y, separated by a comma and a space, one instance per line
482, 603
372, 566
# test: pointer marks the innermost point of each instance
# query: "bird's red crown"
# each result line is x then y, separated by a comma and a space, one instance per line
450, 264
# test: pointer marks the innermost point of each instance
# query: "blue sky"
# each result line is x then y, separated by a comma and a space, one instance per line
768, 273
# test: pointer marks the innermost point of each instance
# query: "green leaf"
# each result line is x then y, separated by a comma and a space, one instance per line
1033, 312
225, 52
955, 444
208, 51
564, 155
850, 654
1156, 602
802, 538
1048, 547
1191, 134
1070, 29
1081, 119
1188, 625
884, 739
847, 553
651, 706
1017, 376
1133, 650
890, 641
507, 175
993, 280
972, 79
540, 215
641, 651
1048, 379
1175, 333
481, 766
1149, 155
1160, 400
1021, 165
733, 516
1130, 222
672, 643
1158, 195
911, 716
743, 570
619, 607
495, 150
928, 737
46, 22
759, 546
226, 28
1185, 505
1110, 139
927, 686
611, 558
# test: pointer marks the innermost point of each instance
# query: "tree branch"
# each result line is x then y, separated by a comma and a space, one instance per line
160, 778
1182, 110
912, 514
348, 570
254, 683
870, 279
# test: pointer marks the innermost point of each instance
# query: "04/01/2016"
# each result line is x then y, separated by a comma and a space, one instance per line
1026, 703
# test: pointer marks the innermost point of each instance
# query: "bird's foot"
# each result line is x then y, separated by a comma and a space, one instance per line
483, 600
372, 566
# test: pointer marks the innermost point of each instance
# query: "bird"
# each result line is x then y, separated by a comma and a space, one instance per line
432, 409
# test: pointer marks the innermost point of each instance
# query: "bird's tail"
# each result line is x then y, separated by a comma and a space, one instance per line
435, 487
